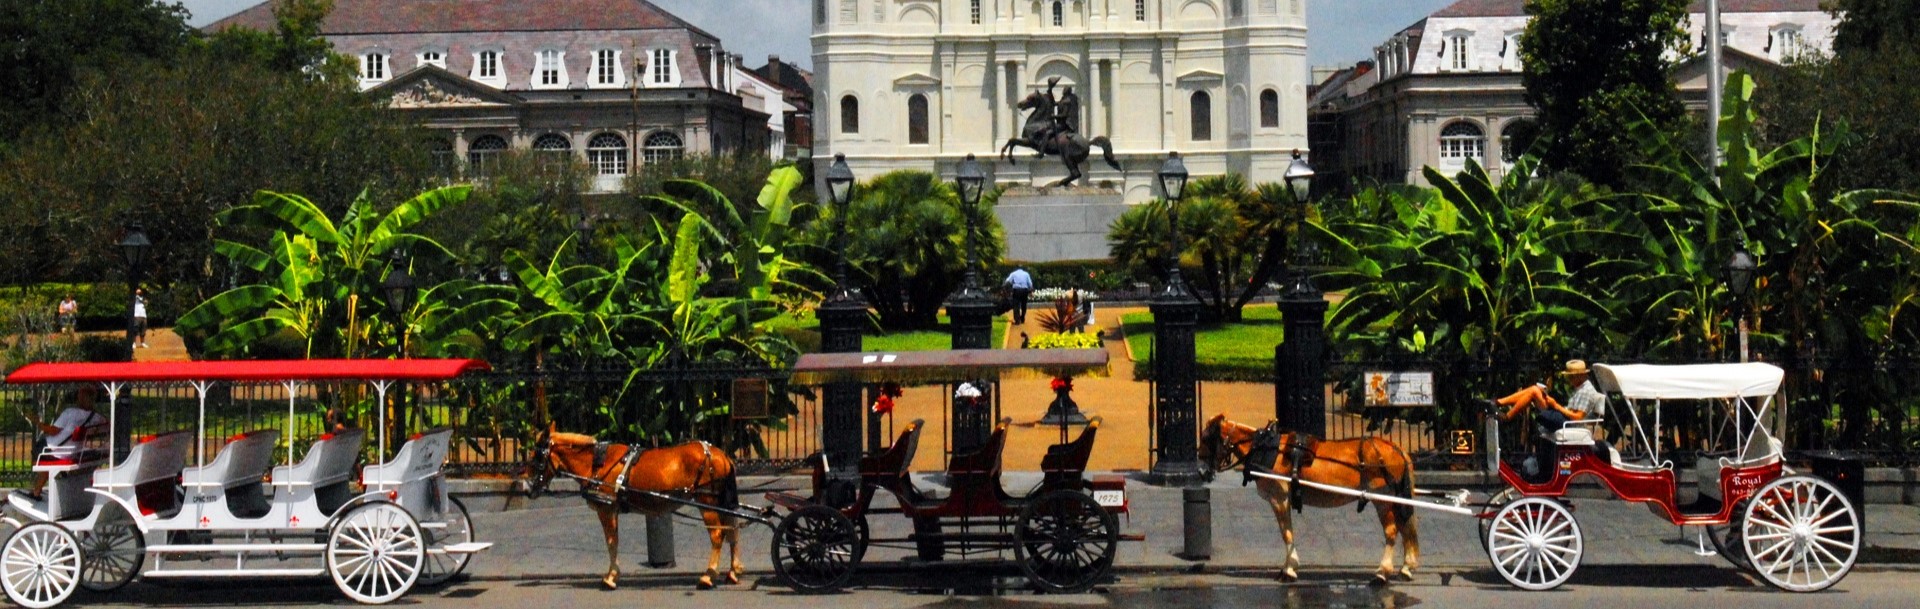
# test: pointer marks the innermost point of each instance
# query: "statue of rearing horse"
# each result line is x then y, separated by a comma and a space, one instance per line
1043, 136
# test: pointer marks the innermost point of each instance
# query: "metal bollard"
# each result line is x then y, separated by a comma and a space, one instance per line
660, 541
1197, 520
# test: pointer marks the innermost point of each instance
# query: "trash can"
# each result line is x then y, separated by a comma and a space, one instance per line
1847, 470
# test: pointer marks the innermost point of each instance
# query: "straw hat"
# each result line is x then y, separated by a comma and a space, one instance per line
1575, 367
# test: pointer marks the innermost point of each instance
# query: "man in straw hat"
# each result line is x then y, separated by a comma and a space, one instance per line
1549, 414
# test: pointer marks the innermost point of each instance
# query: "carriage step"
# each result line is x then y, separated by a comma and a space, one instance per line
236, 547
232, 572
462, 548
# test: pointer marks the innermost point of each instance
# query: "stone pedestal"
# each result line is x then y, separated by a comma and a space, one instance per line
1045, 224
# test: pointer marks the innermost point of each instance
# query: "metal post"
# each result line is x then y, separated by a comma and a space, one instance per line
970, 312
841, 323
660, 541
1300, 364
1175, 397
1715, 84
1197, 523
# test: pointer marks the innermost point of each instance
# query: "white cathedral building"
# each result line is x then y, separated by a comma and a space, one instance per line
919, 84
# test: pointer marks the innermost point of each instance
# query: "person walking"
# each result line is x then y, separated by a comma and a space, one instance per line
1020, 284
140, 317
68, 311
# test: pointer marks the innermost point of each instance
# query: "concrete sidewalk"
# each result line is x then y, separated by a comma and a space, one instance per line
558, 536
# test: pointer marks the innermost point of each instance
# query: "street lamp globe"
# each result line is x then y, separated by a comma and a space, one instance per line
1740, 269
1173, 177
1299, 178
398, 286
971, 180
840, 180
134, 246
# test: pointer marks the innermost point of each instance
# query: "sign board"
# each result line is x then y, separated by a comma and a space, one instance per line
1404, 388
1462, 442
749, 398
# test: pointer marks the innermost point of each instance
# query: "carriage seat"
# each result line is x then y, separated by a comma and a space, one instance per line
1573, 436
86, 447
150, 474
890, 469
236, 472
1064, 464
327, 468
420, 458
975, 471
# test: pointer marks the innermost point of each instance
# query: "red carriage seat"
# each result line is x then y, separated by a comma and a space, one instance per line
1064, 464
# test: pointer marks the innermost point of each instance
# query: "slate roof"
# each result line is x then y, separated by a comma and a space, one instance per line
407, 16
1514, 8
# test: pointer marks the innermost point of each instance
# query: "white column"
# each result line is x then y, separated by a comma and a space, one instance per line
1092, 107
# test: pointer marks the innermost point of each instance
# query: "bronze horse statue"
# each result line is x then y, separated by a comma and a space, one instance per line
1040, 136
615, 478
1372, 464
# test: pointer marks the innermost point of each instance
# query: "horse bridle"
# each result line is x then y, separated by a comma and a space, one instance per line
540, 466
1216, 445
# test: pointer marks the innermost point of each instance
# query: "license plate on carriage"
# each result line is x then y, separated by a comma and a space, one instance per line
1116, 498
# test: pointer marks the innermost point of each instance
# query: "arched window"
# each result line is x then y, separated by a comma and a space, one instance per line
553, 149
917, 119
662, 146
1269, 109
849, 114
1460, 141
607, 152
1201, 111
1059, 13
484, 153
440, 150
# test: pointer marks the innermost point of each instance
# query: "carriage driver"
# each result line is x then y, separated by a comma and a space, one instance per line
1550, 415
65, 434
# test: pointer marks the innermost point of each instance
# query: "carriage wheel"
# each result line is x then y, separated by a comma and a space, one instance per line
374, 553
1800, 533
40, 565
1726, 541
1497, 501
816, 548
111, 553
1065, 541
438, 567
1534, 543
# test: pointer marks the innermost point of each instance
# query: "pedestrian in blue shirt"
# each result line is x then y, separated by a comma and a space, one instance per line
1020, 284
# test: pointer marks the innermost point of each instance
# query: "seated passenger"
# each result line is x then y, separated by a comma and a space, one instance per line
1549, 414
65, 435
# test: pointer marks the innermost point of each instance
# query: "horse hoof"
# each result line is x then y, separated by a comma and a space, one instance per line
610, 584
1378, 580
733, 579
1288, 578
706, 583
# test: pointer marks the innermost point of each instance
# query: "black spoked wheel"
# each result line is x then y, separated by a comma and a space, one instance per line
111, 553
816, 548
1726, 541
441, 566
1493, 504
1065, 541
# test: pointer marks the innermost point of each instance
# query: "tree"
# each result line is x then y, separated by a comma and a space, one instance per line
295, 46
50, 44
1587, 65
1866, 85
906, 240
1236, 236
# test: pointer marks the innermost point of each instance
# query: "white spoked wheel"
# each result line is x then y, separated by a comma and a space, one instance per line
374, 553
40, 565
1534, 543
1800, 533
111, 553
442, 566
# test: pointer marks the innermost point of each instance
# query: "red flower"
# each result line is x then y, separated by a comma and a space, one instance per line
1062, 384
884, 405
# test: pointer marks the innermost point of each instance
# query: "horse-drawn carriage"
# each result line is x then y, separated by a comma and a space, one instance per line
1062, 531
167, 510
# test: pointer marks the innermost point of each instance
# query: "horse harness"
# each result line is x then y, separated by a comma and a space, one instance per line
594, 489
1301, 450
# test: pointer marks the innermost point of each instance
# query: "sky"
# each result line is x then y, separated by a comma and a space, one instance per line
1339, 32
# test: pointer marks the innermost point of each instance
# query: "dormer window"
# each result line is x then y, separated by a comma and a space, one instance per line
1785, 42
1456, 52
661, 69
487, 68
1510, 52
432, 58
373, 68
549, 69
606, 70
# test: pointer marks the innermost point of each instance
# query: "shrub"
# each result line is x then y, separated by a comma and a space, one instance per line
1100, 274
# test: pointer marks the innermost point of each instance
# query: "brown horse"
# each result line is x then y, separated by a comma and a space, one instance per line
695, 471
1372, 464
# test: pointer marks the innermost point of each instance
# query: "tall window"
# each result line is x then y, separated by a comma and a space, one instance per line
662, 146
917, 119
607, 152
552, 149
1460, 141
547, 73
1059, 13
660, 67
1510, 52
484, 154
1201, 111
606, 67
1269, 109
373, 67
486, 66
433, 58
1785, 43
1139, 10
440, 149
976, 12
849, 115
1457, 46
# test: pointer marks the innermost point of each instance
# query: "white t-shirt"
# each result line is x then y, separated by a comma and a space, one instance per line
70, 421
140, 306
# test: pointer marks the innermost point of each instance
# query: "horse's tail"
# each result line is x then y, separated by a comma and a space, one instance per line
730, 485
1106, 150
1404, 486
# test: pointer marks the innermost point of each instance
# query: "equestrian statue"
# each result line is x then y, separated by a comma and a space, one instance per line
1053, 128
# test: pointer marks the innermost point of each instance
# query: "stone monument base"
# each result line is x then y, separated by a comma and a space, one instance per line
1046, 224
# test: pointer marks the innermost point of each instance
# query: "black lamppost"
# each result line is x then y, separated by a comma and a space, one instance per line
1176, 395
842, 318
1299, 363
133, 249
399, 288
1740, 270
971, 313
584, 228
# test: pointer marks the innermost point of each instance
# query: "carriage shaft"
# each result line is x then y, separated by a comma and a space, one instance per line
1371, 496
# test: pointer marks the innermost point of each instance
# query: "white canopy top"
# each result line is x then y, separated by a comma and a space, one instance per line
1688, 382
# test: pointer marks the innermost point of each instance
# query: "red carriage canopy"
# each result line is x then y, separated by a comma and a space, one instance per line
268, 370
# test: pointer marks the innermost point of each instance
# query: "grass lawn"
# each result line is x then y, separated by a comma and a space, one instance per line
804, 329
1237, 351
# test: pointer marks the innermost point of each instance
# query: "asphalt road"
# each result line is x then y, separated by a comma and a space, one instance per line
1608, 587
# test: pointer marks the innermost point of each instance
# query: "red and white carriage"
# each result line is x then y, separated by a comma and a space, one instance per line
1797, 532
169, 510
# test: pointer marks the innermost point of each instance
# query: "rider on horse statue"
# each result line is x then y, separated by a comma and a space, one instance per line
1065, 113
1053, 128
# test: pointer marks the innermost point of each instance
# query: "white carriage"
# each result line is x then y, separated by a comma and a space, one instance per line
167, 510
